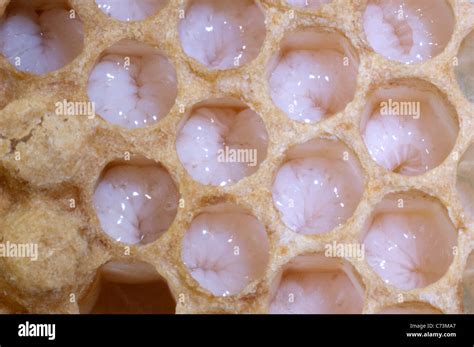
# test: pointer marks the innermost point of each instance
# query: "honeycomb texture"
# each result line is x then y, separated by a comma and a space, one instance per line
46, 160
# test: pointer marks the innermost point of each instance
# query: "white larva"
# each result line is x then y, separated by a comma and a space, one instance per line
132, 85
220, 143
316, 285
314, 75
317, 190
400, 242
225, 250
401, 126
408, 31
40, 41
130, 10
135, 203
222, 34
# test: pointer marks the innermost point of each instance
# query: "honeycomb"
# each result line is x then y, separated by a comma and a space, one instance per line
406, 185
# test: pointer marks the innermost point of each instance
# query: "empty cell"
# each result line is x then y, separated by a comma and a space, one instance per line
402, 123
468, 285
464, 69
132, 85
410, 308
224, 249
410, 240
408, 31
221, 141
130, 10
312, 4
40, 36
465, 181
135, 201
128, 288
222, 34
314, 284
318, 187
314, 75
